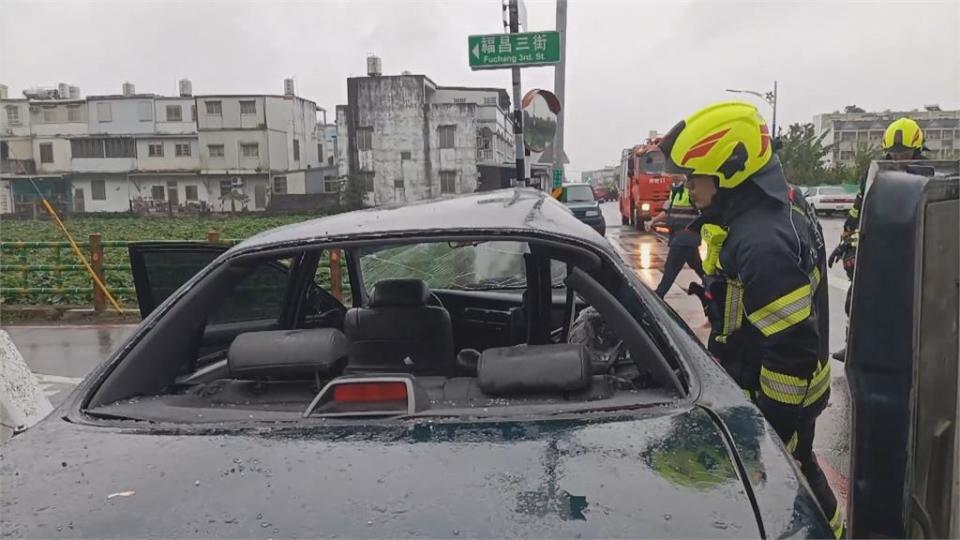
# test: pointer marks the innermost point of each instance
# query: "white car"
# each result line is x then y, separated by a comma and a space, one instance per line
830, 199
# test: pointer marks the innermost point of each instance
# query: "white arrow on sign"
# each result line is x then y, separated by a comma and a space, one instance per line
476, 50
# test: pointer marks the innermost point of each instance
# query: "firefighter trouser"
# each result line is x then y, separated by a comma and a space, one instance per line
677, 256
814, 475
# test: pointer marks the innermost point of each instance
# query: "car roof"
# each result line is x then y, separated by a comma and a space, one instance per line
515, 210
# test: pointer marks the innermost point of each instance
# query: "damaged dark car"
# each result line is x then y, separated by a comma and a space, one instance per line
481, 366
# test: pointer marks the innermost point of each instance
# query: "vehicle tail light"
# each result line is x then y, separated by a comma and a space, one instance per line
366, 392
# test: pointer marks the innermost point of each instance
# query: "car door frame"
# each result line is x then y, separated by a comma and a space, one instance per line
141, 280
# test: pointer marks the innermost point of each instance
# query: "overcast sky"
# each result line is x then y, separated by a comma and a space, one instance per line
633, 66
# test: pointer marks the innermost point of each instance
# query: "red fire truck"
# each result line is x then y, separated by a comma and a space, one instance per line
643, 184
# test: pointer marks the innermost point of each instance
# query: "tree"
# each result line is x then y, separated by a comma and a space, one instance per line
801, 152
863, 155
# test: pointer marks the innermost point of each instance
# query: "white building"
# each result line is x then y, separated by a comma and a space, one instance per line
409, 139
600, 177
251, 146
850, 130
145, 152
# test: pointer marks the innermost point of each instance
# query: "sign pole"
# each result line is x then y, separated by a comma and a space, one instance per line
517, 111
559, 81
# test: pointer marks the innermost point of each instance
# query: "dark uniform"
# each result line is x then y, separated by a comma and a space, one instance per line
769, 310
683, 244
766, 290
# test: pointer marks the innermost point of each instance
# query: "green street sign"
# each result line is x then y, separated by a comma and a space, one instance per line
497, 51
557, 178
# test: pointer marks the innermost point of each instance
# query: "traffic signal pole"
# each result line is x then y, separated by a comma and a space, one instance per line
517, 109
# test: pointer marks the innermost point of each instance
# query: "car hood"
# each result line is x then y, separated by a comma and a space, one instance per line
659, 476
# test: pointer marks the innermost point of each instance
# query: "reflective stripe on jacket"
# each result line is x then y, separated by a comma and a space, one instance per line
769, 318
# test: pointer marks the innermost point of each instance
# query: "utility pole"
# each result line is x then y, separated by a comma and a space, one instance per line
773, 131
517, 109
559, 81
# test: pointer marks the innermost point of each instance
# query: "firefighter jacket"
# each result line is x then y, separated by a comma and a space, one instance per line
767, 297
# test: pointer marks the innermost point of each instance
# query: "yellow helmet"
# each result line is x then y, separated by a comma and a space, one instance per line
728, 140
903, 135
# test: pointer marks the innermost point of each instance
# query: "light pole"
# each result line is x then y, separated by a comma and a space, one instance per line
770, 98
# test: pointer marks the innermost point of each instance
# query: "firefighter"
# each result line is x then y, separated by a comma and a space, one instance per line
683, 242
902, 141
766, 290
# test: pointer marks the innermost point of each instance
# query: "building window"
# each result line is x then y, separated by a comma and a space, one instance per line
193, 113
174, 113
447, 134
99, 148
214, 108
365, 138
280, 184
448, 181
98, 190
296, 150
226, 188
120, 148
250, 150
398, 184
320, 153
86, 148
932, 135
489, 101
157, 192
182, 149
459, 100
13, 115
49, 115
46, 152
404, 156
104, 112
215, 150
190, 192
73, 114
155, 150
146, 111
248, 107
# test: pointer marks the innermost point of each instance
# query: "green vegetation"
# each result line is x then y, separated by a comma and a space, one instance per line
112, 229
801, 151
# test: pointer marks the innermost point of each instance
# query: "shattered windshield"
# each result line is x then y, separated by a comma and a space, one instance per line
449, 265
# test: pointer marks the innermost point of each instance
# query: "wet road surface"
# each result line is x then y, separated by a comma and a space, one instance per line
61, 356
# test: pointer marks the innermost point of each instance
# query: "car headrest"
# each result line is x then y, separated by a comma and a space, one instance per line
524, 369
286, 353
399, 292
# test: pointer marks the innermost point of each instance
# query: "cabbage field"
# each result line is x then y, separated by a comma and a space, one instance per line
54, 276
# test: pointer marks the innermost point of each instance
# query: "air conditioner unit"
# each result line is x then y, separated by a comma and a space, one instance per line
237, 182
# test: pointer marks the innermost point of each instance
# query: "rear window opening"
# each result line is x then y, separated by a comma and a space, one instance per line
447, 328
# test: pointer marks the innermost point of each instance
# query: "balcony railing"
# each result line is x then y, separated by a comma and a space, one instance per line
18, 166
